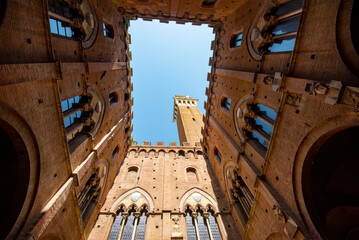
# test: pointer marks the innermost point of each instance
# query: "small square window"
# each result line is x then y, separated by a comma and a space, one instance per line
236, 40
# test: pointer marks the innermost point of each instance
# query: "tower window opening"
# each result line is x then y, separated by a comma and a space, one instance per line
226, 103
191, 175
108, 30
115, 153
127, 96
193, 119
218, 156
113, 98
208, 3
236, 40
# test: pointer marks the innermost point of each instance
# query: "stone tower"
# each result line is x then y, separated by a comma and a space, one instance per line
188, 118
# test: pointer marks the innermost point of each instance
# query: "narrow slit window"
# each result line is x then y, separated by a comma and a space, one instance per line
115, 153
218, 156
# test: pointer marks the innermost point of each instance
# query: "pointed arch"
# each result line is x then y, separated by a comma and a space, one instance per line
145, 194
185, 196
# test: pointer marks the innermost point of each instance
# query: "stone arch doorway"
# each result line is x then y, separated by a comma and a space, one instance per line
330, 180
15, 177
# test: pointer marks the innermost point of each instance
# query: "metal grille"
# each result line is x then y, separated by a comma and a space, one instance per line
202, 228
128, 229
214, 227
191, 232
141, 227
116, 227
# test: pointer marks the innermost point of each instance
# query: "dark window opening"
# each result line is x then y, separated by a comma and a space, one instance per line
127, 96
181, 153
113, 98
208, 3
108, 30
242, 196
115, 153
127, 130
218, 156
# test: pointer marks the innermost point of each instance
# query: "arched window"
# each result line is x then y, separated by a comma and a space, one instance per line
131, 174
128, 224
242, 196
82, 115
191, 175
259, 124
60, 15
282, 31
181, 153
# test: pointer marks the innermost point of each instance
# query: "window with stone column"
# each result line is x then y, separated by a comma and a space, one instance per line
73, 19
259, 124
129, 225
201, 224
241, 195
276, 28
82, 116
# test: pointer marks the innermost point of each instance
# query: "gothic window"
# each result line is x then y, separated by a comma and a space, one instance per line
87, 197
259, 124
283, 25
208, 3
202, 224
131, 174
218, 155
108, 30
128, 224
79, 117
214, 225
60, 28
60, 7
226, 103
72, 110
242, 196
191, 230
60, 14
112, 98
191, 175
236, 40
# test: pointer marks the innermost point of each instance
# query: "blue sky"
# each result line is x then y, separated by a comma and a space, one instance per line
167, 59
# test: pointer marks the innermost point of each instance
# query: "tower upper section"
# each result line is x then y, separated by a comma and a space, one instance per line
188, 118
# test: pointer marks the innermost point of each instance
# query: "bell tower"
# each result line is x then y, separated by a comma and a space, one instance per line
188, 118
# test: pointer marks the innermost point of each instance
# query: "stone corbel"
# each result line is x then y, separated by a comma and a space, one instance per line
351, 96
290, 227
333, 92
